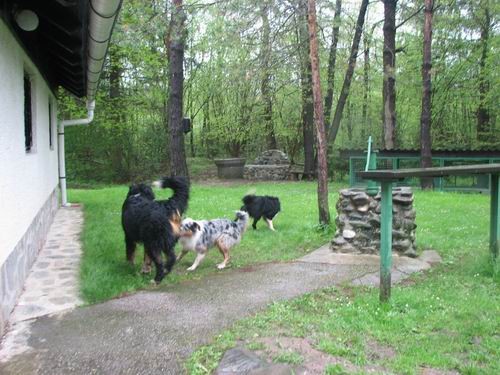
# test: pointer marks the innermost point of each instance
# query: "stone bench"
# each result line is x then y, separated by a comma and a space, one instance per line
296, 173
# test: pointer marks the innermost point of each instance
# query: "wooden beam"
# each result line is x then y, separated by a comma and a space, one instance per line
395, 175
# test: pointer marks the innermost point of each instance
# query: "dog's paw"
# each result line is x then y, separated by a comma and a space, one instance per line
221, 266
153, 282
190, 269
145, 269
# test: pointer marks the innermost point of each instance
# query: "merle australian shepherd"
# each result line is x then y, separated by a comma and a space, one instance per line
261, 206
201, 235
155, 223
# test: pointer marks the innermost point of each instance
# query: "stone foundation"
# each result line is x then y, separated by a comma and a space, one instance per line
358, 222
16, 267
266, 172
272, 157
270, 165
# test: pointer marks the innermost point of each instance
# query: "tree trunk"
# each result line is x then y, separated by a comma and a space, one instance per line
115, 72
324, 212
366, 82
389, 61
191, 140
349, 122
122, 149
307, 115
348, 75
332, 61
266, 75
206, 130
425, 118
178, 164
482, 114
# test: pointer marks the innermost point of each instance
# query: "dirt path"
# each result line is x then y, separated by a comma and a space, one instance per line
155, 331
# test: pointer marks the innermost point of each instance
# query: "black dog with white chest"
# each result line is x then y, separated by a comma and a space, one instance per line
155, 223
261, 206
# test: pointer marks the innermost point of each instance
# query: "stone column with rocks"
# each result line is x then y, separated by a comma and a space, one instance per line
270, 165
358, 222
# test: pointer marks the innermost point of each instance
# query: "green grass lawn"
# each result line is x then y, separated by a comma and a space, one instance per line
446, 318
105, 273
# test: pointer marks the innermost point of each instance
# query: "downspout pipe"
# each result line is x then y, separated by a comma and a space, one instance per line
60, 137
102, 18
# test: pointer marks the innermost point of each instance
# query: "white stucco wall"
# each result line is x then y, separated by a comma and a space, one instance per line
26, 179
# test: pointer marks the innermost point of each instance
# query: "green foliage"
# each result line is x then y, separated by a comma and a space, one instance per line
223, 73
456, 54
127, 139
111, 150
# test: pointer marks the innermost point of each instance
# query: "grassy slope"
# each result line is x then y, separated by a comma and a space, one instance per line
447, 318
105, 273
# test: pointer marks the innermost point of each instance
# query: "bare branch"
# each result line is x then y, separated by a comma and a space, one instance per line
410, 17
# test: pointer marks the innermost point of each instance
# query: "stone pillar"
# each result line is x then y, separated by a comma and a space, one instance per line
358, 222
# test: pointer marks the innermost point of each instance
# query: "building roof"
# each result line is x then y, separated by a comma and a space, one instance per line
59, 46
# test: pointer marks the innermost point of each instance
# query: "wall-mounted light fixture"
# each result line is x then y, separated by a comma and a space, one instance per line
26, 19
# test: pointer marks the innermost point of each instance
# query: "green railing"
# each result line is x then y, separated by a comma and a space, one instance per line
450, 183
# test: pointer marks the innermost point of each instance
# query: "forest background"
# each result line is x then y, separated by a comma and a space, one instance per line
247, 83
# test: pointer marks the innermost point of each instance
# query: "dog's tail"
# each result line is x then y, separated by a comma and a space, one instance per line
242, 219
180, 186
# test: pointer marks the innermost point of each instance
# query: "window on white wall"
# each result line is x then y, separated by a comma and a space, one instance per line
51, 130
28, 114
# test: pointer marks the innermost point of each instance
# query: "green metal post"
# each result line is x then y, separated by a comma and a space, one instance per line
495, 216
395, 163
386, 241
371, 165
440, 179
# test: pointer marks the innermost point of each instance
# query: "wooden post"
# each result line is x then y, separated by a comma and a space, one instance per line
386, 241
495, 216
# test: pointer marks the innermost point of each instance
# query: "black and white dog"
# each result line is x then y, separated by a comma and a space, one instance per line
155, 223
201, 235
261, 206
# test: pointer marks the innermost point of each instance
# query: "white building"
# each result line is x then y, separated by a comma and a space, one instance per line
43, 45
